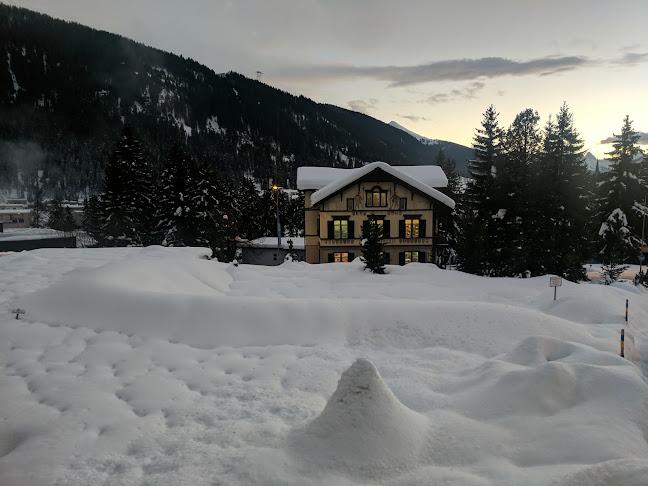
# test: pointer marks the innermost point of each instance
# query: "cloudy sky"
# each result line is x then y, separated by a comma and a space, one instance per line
432, 66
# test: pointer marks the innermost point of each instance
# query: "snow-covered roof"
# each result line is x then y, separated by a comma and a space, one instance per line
408, 176
15, 211
319, 177
271, 242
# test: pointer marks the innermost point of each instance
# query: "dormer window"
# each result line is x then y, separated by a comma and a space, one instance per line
376, 198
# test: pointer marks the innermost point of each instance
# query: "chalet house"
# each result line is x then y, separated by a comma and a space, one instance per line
403, 199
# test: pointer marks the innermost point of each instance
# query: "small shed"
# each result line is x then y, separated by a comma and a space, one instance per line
267, 251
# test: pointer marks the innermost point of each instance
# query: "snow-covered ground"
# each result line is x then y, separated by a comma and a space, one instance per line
155, 366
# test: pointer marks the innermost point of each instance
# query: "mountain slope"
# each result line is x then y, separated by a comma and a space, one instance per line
68, 90
459, 153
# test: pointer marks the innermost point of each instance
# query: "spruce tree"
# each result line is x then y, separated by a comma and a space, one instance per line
126, 202
454, 191
476, 239
621, 201
513, 222
372, 247
179, 220
560, 202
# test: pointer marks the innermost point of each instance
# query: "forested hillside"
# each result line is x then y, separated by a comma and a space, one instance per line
68, 90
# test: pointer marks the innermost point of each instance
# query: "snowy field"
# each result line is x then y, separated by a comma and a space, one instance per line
157, 367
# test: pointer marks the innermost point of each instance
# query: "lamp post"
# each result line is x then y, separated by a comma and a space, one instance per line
275, 188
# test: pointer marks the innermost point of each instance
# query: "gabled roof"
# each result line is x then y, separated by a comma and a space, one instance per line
319, 177
309, 179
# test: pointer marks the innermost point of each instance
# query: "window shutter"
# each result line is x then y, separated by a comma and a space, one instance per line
331, 230
386, 229
365, 225
401, 258
422, 228
318, 227
351, 256
401, 232
351, 229
422, 256
331, 257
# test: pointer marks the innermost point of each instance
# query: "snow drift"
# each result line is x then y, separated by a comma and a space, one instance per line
136, 366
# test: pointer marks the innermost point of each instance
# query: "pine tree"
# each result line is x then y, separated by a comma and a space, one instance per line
621, 201
92, 218
454, 191
179, 220
513, 222
250, 210
372, 247
560, 202
126, 203
476, 241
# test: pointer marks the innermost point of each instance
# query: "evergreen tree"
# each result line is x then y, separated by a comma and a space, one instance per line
559, 206
126, 203
372, 247
513, 222
621, 200
250, 210
92, 219
181, 209
476, 241
60, 218
454, 191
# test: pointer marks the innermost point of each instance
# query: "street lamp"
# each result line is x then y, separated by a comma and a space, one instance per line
275, 188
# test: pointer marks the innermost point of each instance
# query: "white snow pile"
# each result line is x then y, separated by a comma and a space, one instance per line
158, 366
363, 426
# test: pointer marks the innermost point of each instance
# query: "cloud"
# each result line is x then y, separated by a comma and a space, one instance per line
414, 118
632, 58
459, 69
363, 106
643, 139
469, 92
451, 70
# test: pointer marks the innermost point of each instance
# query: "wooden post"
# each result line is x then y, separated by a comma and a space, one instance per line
622, 342
626, 318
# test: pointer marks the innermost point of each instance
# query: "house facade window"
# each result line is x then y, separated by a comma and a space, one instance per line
340, 229
382, 223
340, 257
402, 204
376, 198
411, 256
350, 204
412, 228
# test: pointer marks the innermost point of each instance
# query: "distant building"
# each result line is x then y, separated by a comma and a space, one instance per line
15, 216
403, 199
264, 251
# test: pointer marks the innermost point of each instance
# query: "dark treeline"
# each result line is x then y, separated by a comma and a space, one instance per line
184, 204
532, 207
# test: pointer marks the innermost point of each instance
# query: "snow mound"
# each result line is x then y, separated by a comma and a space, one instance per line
628, 472
363, 426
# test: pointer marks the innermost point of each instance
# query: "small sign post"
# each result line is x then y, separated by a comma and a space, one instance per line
555, 282
18, 312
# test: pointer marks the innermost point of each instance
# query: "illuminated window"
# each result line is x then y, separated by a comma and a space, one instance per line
412, 228
411, 256
340, 257
376, 198
341, 229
